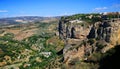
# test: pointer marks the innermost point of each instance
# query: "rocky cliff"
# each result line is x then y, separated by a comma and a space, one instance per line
107, 31
76, 29
82, 39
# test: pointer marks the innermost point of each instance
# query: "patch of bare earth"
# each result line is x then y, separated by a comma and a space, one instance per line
24, 34
21, 33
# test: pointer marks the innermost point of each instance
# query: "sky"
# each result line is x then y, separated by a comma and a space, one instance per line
14, 8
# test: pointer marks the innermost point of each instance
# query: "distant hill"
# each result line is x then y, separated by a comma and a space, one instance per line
26, 19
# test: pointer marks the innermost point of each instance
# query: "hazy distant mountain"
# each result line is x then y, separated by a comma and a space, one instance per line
26, 19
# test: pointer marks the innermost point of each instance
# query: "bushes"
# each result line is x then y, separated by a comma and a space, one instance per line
80, 65
91, 41
99, 46
95, 57
2, 31
8, 36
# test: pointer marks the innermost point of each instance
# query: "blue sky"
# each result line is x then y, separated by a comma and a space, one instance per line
13, 8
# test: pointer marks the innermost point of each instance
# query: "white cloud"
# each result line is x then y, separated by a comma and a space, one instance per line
100, 8
3, 11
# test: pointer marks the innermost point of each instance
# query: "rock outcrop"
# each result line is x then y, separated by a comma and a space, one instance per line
81, 39
75, 29
108, 31
73, 32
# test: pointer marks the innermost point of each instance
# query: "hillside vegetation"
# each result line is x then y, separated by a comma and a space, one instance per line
29, 46
80, 41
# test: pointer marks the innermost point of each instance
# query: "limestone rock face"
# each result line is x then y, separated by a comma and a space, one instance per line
72, 54
80, 52
62, 29
108, 31
115, 34
82, 40
71, 29
101, 31
73, 32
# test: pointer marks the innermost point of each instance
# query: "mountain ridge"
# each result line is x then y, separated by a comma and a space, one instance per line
26, 19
